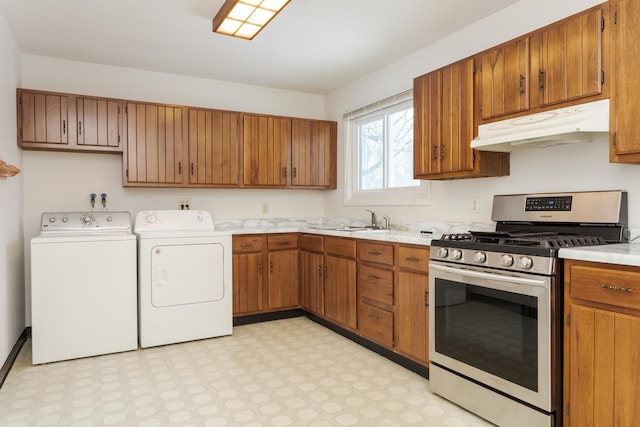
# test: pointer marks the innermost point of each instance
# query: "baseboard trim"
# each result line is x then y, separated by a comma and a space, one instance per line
266, 317
13, 355
415, 367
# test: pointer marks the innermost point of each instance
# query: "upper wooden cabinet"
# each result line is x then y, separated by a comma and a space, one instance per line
568, 59
156, 139
624, 124
64, 122
214, 148
443, 126
266, 145
504, 79
313, 153
287, 152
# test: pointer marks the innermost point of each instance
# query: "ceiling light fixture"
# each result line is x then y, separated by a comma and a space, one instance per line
245, 18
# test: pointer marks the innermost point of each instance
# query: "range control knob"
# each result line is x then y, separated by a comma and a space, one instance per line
525, 262
443, 252
506, 260
456, 254
479, 257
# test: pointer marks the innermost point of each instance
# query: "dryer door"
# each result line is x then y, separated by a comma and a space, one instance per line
186, 274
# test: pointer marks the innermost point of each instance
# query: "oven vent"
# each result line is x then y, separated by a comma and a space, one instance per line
573, 241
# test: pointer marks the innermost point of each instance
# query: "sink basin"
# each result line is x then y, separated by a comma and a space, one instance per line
375, 230
341, 228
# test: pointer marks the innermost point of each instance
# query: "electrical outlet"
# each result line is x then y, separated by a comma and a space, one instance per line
265, 207
475, 204
184, 203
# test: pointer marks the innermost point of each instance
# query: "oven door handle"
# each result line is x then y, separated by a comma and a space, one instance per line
489, 276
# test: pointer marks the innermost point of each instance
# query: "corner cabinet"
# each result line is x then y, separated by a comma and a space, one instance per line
64, 122
444, 127
624, 124
285, 152
601, 353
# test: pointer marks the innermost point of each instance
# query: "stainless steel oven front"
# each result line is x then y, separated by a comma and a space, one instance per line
491, 337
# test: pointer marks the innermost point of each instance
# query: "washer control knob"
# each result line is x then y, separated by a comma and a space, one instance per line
65, 219
52, 219
109, 219
506, 260
443, 252
87, 219
456, 254
200, 218
479, 257
151, 219
526, 262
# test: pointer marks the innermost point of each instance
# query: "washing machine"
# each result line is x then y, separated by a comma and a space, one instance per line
184, 277
83, 286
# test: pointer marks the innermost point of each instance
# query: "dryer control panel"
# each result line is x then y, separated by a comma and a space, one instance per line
85, 222
174, 220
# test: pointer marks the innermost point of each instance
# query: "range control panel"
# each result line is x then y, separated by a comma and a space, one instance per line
559, 203
85, 222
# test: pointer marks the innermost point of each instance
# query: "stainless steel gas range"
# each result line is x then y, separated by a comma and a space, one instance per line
495, 298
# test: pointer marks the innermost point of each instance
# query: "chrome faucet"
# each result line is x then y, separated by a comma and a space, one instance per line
374, 221
387, 222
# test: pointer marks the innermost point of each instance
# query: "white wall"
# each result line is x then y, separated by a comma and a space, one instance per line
63, 181
568, 168
12, 321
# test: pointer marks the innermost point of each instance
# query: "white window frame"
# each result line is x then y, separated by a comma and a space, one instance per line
402, 196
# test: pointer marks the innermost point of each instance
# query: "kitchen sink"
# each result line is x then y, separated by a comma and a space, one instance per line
349, 228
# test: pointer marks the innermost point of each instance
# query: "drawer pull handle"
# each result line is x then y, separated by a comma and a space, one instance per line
373, 277
374, 253
246, 245
283, 243
412, 259
616, 288
373, 317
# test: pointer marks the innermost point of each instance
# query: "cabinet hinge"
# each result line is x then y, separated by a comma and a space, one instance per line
568, 319
426, 298
615, 18
481, 107
602, 24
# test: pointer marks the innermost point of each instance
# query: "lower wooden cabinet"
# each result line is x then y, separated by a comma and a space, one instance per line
312, 274
376, 324
248, 275
283, 270
340, 302
412, 311
602, 356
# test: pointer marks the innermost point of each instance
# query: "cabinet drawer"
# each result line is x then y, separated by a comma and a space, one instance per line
243, 244
311, 243
606, 285
340, 246
416, 259
376, 284
282, 241
376, 324
375, 252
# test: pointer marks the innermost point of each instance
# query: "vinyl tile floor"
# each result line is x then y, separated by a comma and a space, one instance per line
290, 372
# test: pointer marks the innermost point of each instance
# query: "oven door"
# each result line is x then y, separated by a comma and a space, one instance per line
493, 328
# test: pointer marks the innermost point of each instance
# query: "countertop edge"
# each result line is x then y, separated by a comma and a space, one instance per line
617, 253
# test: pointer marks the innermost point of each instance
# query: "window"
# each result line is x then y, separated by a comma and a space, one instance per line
380, 155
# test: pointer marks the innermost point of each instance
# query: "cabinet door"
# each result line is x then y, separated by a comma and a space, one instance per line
443, 121
98, 122
312, 282
571, 59
155, 136
248, 283
283, 279
44, 118
625, 145
340, 303
266, 142
505, 79
313, 153
412, 316
214, 145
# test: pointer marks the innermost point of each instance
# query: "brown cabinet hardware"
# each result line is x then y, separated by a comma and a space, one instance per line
616, 288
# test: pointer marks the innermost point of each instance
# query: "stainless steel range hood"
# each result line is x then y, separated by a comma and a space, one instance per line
579, 123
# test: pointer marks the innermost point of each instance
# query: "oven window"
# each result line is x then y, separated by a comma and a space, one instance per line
491, 330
